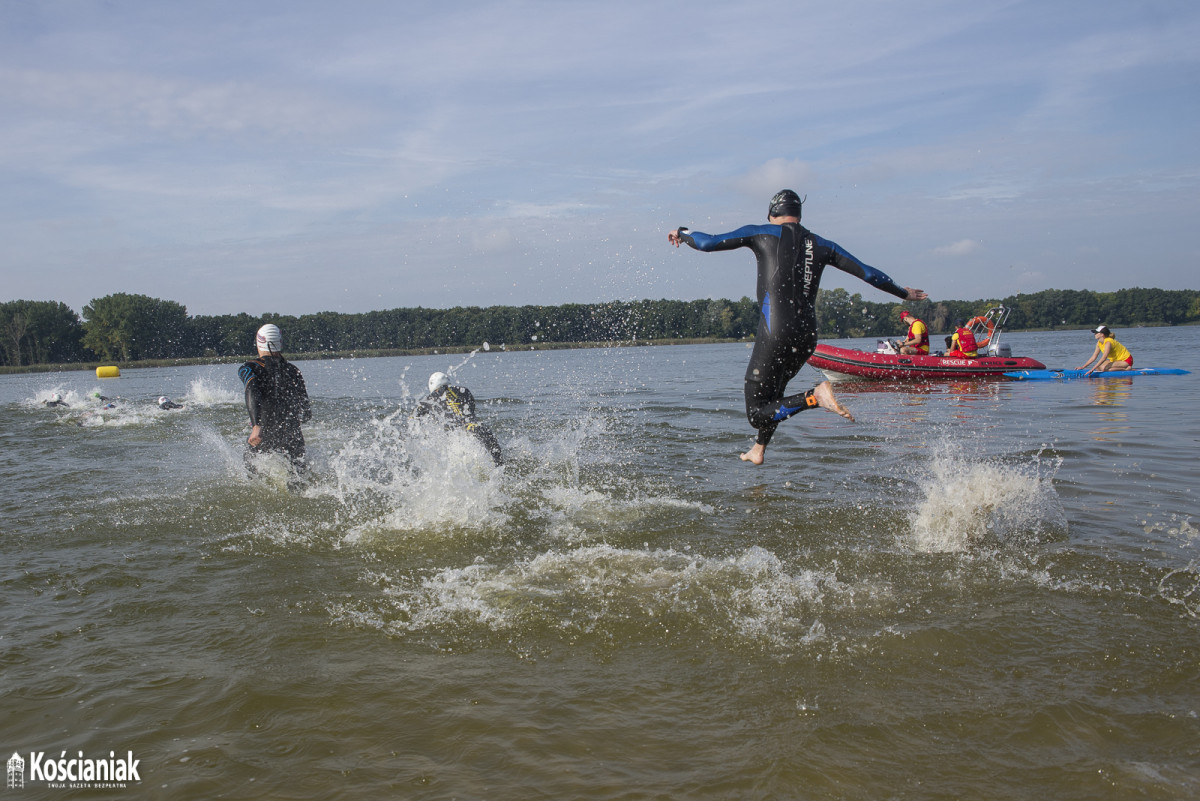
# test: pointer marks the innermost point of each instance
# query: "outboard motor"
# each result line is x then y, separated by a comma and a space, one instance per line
1003, 350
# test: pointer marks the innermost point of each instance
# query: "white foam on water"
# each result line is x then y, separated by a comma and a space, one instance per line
93, 409
750, 595
970, 500
1181, 589
205, 393
74, 399
43, 395
407, 474
277, 531
120, 414
572, 512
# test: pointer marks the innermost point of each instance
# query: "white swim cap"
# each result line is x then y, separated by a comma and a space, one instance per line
162, 399
269, 339
437, 381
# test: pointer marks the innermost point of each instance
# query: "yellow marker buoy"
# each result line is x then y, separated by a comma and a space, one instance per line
108, 371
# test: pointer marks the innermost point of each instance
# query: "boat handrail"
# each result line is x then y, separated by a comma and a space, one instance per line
994, 320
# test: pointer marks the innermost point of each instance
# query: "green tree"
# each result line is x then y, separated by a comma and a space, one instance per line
15, 327
129, 327
39, 332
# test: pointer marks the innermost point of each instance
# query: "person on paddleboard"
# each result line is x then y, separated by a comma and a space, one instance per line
1109, 353
916, 341
455, 406
790, 262
276, 399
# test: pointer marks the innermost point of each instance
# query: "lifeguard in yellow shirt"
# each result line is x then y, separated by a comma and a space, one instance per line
916, 342
1109, 354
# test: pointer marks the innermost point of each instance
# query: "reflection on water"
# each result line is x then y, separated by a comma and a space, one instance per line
1109, 396
1111, 391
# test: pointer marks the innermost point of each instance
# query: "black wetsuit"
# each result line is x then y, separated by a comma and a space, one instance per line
790, 262
277, 400
456, 407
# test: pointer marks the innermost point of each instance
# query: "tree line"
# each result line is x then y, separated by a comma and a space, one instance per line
127, 328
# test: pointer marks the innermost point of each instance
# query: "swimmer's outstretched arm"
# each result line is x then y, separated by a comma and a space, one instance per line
710, 243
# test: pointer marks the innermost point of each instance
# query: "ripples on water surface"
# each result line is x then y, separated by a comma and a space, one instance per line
981, 590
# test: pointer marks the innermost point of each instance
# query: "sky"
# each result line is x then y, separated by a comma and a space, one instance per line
293, 157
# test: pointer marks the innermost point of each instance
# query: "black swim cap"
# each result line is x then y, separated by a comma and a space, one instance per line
786, 203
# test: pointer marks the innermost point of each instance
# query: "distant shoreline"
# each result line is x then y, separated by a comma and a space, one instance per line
357, 354
386, 352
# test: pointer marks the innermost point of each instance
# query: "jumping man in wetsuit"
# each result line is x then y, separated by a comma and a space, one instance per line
790, 262
456, 407
276, 399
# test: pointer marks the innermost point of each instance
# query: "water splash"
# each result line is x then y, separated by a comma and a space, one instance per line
406, 474
1181, 588
971, 500
597, 589
205, 393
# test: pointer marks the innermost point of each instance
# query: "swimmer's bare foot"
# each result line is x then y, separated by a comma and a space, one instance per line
823, 393
755, 455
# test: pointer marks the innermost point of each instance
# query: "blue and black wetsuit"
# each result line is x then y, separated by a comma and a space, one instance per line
277, 400
790, 262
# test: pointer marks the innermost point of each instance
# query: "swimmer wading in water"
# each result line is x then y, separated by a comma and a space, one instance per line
455, 406
276, 399
791, 259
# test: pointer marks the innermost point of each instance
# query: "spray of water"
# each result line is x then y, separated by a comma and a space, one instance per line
402, 473
971, 500
205, 393
595, 589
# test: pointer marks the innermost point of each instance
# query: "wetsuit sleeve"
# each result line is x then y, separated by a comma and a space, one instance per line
302, 394
839, 257
741, 238
253, 396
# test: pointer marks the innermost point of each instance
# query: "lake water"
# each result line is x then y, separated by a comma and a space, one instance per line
981, 589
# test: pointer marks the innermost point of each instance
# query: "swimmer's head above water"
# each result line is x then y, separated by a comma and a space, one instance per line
786, 203
437, 381
269, 339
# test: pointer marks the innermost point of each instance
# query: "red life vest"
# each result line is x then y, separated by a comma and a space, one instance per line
923, 343
966, 341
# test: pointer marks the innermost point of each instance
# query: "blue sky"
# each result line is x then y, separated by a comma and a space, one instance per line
297, 157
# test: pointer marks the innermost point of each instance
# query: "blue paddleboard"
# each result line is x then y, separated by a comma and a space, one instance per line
1046, 375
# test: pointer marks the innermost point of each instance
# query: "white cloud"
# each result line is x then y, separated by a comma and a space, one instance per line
963, 247
779, 173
